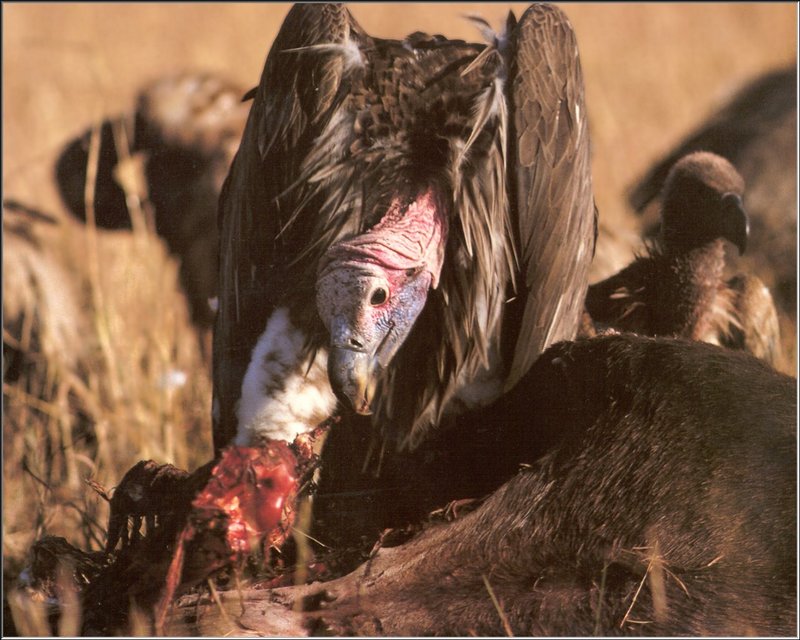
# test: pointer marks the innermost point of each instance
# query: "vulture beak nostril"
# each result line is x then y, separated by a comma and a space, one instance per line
356, 344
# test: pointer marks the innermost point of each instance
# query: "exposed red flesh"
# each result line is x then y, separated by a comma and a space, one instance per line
250, 496
251, 486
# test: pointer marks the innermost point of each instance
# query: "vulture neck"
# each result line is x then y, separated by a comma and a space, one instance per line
694, 303
285, 391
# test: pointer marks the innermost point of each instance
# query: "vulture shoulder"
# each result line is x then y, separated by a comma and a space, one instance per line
756, 328
294, 104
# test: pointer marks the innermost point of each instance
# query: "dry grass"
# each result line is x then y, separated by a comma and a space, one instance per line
126, 384
111, 322
135, 388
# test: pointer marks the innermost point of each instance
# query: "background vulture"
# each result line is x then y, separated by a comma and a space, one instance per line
678, 287
756, 130
166, 161
433, 196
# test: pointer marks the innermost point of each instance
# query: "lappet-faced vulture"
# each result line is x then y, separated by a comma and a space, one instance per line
406, 225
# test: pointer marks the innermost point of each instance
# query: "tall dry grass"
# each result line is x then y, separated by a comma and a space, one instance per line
109, 373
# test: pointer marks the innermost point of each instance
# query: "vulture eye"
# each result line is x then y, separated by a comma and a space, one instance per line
379, 296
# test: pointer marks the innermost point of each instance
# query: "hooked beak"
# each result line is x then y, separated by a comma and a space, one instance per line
353, 376
737, 223
356, 362
365, 336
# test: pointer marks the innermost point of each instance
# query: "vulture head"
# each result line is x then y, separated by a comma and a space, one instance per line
407, 224
371, 289
702, 202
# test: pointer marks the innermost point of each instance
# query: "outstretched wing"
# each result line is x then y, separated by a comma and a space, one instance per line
269, 205
552, 206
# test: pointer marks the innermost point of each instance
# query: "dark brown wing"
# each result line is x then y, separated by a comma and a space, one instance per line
552, 204
265, 212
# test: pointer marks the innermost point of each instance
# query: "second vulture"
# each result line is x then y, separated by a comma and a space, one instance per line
406, 226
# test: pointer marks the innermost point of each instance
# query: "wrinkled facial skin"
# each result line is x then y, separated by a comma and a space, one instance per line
368, 315
372, 288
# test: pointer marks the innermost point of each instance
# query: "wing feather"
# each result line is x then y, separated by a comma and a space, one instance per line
551, 186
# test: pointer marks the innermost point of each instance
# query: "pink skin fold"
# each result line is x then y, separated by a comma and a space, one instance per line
372, 287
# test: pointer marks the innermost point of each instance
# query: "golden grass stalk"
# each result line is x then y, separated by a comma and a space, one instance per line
503, 618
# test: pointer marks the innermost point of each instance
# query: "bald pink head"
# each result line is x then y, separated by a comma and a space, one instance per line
371, 288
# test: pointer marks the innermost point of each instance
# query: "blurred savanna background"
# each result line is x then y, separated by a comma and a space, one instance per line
103, 364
